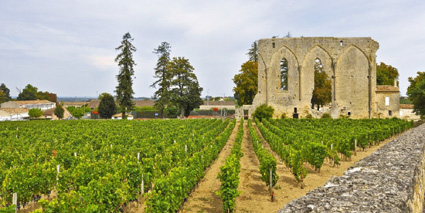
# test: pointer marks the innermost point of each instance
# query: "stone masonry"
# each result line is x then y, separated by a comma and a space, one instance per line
349, 62
392, 179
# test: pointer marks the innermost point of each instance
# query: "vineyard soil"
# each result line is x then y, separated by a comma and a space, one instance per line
204, 197
254, 195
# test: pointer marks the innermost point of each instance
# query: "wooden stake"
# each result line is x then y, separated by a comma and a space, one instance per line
15, 201
142, 189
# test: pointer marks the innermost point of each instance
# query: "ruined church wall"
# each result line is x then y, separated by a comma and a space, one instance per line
349, 62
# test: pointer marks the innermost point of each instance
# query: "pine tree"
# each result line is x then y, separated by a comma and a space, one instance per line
163, 75
125, 61
253, 52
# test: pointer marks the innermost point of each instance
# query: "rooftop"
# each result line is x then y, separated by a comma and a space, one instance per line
387, 88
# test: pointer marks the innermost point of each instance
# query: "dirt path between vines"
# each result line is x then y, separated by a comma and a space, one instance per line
254, 195
288, 189
204, 197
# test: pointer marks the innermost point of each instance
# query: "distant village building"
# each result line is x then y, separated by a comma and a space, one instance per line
13, 114
50, 113
207, 105
75, 104
119, 116
406, 112
41, 104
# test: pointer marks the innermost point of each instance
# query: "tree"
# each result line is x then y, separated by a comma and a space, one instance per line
185, 90
125, 61
162, 73
5, 91
385, 74
322, 93
416, 93
246, 83
35, 113
3, 97
31, 93
263, 112
107, 107
76, 112
59, 111
253, 52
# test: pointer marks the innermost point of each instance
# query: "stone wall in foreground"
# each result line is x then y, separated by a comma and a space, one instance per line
392, 179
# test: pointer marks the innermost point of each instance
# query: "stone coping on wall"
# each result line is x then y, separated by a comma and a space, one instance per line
389, 180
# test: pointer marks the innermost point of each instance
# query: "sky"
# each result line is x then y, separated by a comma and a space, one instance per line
68, 47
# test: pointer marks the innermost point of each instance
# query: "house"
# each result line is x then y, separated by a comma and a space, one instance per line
13, 114
217, 104
50, 113
119, 116
93, 104
41, 104
387, 101
406, 112
75, 104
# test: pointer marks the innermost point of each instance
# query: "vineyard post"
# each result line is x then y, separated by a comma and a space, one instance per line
138, 156
75, 154
57, 174
15, 201
185, 148
271, 185
142, 187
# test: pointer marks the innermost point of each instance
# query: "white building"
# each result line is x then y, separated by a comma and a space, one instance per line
119, 116
41, 104
16, 114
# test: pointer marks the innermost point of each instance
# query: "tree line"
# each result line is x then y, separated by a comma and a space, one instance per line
177, 86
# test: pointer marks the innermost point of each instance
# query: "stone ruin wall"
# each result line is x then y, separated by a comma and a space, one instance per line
392, 179
349, 62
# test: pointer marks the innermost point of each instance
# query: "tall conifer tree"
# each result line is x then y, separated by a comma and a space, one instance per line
125, 61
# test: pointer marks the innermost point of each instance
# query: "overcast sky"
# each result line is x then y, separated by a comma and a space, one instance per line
68, 47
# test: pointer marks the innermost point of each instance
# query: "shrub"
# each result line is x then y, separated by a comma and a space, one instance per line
309, 116
172, 112
35, 113
263, 111
326, 115
283, 116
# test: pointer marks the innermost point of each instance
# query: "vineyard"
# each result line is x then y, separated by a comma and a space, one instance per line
102, 166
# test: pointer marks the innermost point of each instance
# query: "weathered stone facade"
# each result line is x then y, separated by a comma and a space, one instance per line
349, 62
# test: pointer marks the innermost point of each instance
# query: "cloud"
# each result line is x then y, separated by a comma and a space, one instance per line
78, 39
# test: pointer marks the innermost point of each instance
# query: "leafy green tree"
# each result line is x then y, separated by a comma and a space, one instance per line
322, 93
59, 111
162, 73
385, 74
416, 93
246, 83
185, 90
35, 113
263, 112
31, 93
125, 61
76, 112
253, 52
107, 107
3, 97
5, 91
